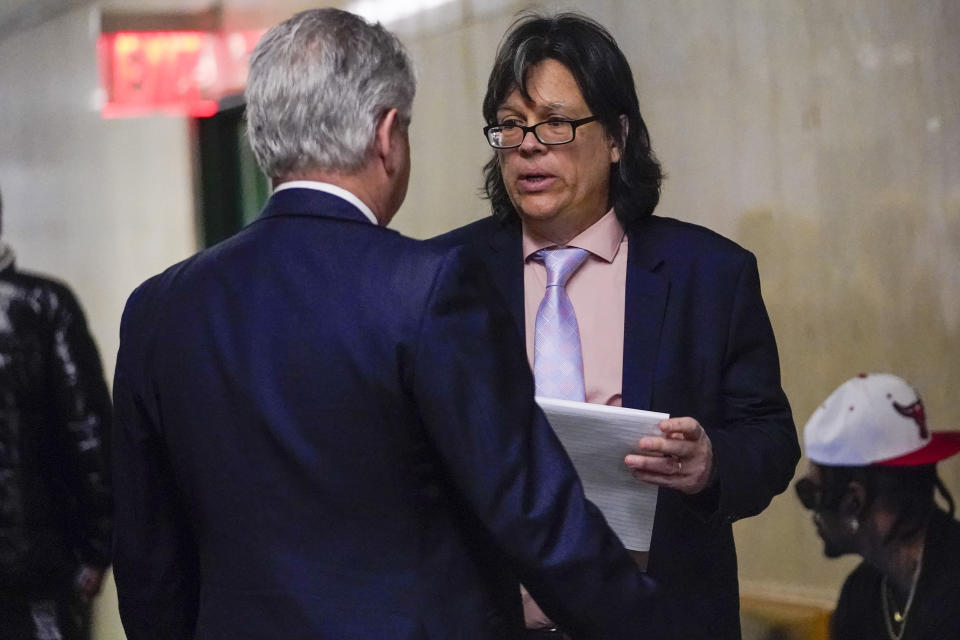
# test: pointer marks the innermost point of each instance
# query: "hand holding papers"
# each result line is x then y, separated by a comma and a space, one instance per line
597, 439
680, 458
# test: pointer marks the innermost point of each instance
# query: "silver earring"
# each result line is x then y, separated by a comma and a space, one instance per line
853, 524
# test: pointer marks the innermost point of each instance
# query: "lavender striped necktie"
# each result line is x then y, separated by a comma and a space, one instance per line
557, 359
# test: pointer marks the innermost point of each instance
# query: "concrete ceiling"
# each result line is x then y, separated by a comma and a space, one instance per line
19, 15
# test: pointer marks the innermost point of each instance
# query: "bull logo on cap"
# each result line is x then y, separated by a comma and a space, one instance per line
914, 412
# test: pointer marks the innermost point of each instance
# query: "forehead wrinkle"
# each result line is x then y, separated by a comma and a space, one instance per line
529, 101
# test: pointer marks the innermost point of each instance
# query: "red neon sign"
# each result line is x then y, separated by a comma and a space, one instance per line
172, 72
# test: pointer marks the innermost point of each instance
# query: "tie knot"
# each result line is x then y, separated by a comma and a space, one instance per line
561, 263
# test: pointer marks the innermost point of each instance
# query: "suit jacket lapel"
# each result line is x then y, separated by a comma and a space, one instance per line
645, 304
504, 260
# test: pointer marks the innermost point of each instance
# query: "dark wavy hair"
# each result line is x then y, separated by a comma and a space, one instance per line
606, 82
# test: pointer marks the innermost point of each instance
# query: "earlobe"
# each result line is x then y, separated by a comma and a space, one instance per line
614, 152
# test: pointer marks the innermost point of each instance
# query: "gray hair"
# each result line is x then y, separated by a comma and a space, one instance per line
318, 85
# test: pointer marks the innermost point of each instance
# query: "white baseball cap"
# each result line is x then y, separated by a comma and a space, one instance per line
875, 418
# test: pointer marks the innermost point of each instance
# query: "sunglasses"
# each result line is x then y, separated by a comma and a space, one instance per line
810, 494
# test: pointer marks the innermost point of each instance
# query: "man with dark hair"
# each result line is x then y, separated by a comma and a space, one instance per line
327, 430
871, 486
55, 504
629, 308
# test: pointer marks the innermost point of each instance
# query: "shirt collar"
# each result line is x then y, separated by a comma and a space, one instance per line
602, 239
332, 189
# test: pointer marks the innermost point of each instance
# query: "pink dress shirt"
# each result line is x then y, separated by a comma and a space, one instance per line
597, 290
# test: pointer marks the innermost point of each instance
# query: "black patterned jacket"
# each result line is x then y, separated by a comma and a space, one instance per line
55, 498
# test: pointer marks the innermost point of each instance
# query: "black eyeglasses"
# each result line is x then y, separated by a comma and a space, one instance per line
810, 494
508, 136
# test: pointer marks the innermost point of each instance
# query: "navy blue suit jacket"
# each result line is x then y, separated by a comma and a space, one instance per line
697, 342
325, 430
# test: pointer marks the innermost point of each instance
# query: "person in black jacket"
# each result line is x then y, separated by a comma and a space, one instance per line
55, 499
871, 487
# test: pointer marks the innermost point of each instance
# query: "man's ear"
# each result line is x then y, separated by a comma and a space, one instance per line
619, 142
854, 500
387, 130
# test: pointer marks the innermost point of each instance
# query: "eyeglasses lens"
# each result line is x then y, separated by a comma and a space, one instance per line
550, 132
555, 132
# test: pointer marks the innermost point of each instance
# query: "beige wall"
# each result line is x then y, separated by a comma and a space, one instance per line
821, 135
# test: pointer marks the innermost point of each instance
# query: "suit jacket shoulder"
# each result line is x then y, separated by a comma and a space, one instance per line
684, 242
382, 255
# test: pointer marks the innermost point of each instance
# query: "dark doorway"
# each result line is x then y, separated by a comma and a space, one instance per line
232, 188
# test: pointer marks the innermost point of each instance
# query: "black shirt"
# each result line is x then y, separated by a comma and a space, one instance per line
935, 611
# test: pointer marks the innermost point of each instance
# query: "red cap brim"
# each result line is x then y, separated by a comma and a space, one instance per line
943, 444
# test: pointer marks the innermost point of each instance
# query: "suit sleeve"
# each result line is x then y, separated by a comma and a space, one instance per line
155, 559
83, 419
756, 452
475, 394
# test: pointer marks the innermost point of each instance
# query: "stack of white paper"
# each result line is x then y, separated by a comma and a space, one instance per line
597, 438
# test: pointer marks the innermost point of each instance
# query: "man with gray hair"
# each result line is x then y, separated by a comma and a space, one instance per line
327, 430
